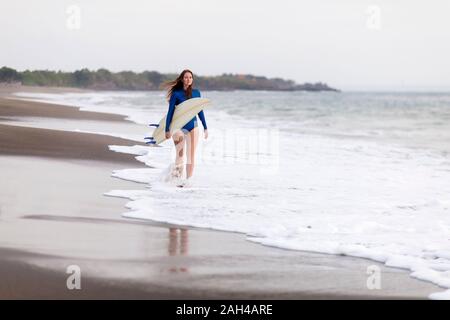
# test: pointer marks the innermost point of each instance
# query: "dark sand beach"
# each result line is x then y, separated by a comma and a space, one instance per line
53, 214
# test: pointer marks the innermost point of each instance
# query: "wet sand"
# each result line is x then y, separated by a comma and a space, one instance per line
22, 108
15, 140
53, 214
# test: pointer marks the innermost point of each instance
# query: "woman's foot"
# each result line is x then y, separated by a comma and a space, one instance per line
177, 171
184, 183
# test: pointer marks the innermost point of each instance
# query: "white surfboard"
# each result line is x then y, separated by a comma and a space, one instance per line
184, 112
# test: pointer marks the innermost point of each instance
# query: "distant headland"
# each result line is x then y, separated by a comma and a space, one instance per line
103, 79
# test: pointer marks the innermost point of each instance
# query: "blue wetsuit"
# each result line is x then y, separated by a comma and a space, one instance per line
178, 96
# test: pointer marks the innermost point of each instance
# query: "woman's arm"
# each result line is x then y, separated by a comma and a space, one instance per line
202, 115
171, 111
202, 118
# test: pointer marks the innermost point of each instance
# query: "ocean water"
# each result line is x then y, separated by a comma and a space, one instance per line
360, 174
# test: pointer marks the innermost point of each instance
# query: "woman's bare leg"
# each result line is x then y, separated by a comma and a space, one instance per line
179, 139
191, 145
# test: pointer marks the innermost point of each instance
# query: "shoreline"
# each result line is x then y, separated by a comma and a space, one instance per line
70, 221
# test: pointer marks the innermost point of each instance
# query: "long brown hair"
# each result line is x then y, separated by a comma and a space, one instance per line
178, 84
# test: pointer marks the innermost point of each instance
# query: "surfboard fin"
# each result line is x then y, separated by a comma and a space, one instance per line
150, 142
151, 138
153, 125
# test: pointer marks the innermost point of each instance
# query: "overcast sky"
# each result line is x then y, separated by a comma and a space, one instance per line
349, 44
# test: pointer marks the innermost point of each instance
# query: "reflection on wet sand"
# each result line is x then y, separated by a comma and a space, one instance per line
178, 245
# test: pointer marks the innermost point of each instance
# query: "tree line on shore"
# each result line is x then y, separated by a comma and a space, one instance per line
103, 79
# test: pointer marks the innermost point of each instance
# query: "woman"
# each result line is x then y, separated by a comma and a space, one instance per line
180, 90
